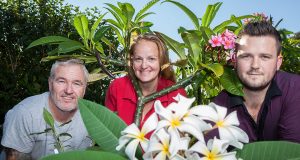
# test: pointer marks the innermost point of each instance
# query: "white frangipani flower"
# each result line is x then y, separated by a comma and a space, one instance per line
162, 147
214, 150
177, 117
133, 136
227, 126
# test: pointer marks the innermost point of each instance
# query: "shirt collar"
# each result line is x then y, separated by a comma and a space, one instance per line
273, 91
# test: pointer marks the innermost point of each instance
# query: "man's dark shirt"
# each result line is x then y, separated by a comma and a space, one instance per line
279, 116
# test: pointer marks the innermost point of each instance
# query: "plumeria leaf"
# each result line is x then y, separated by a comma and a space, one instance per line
231, 83
83, 155
102, 125
217, 68
48, 40
48, 118
86, 59
177, 47
69, 46
210, 14
188, 12
275, 150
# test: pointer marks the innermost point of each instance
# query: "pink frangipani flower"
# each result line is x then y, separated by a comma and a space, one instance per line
215, 41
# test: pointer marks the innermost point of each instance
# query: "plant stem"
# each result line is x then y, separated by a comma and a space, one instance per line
143, 100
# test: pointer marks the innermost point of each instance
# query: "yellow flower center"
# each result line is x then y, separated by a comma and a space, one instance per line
175, 122
141, 137
165, 149
211, 156
220, 124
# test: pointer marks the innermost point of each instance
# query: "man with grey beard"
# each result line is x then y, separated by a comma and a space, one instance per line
67, 82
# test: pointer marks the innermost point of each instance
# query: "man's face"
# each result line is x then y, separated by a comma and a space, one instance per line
66, 87
257, 61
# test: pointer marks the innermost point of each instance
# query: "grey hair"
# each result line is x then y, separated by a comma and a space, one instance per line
67, 62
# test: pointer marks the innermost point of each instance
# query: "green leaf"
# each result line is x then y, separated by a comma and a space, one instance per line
84, 155
140, 15
95, 25
206, 33
177, 47
228, 22
117, 13
48, 118
78, 26
102, 125
100, 33
275, 150
231, 83
188, 12
143, 16
127, 10
210, 14
217, 68
47, 40
69, 46
86, 59
192, 40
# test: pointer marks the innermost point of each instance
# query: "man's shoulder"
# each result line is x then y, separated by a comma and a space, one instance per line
33, 103
222, 98
286, 80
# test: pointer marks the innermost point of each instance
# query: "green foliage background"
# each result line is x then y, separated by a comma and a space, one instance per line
22, 73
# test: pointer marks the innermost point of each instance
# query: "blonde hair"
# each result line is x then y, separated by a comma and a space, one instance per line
166, 73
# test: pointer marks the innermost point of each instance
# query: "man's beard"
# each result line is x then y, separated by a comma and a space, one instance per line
256, 88
247, 85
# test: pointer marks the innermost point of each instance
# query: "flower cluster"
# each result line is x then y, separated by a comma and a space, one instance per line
178, 132
258, 17
225, 41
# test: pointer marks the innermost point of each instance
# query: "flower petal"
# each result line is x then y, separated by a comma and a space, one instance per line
205, 112
150, 124
185, 127
131, 129
160, 156
221, 111
231, 119
219, 146
123, 140
131, 148
198, 123
227, 156
161, 111
199, 147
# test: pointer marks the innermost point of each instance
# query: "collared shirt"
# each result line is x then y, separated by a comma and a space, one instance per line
121, 98
279, 115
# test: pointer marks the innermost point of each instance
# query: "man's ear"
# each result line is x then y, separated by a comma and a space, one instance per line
279, 61
49, 84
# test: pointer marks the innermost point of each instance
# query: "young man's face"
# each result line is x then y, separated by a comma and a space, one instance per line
67, 86
257, 61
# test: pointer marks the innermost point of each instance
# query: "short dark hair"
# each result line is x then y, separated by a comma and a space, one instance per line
261, 28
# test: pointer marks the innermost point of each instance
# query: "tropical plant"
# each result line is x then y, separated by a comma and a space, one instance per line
196, 54
58, 145
290, 52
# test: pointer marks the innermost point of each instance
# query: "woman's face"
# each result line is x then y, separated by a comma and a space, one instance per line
145, 61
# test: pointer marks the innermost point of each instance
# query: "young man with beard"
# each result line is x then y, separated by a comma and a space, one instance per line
67, 82
270, 107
